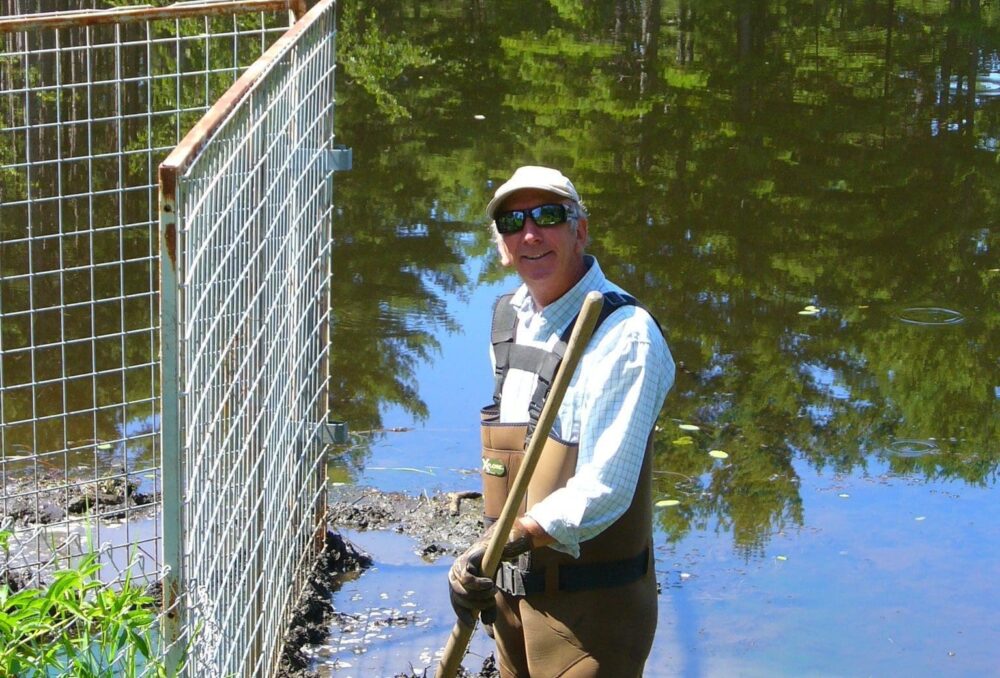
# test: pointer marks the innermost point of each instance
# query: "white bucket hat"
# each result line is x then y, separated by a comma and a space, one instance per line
533, 176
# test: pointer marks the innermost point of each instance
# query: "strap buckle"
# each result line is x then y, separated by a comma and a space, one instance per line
509, 579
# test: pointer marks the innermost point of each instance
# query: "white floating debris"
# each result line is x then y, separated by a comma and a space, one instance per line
844, 495
919, 518
479, 116
688, 427
667, 502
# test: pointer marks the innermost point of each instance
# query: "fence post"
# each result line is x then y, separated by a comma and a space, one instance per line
172, 623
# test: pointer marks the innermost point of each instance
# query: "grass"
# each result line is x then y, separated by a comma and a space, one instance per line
78, 626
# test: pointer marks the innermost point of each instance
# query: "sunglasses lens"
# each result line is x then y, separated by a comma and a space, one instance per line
543, 215
510, 222
549, 215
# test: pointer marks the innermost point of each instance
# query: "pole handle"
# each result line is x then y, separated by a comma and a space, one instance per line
461, 634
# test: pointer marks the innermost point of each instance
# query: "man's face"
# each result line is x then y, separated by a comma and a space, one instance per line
549, 259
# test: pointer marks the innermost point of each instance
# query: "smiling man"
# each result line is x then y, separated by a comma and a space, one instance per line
576, 593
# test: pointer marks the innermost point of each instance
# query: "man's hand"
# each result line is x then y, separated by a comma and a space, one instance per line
472, 594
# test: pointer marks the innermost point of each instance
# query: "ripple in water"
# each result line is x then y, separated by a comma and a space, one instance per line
911, 447
930, 315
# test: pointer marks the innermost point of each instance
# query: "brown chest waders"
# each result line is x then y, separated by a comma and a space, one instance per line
562, 616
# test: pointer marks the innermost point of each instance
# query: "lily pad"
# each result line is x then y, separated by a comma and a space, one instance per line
718, 454
688, 427
667, 502
105, 446
684, 440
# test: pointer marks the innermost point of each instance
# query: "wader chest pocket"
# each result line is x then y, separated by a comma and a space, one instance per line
498, 473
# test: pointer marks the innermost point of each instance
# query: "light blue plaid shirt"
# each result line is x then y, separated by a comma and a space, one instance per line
609, 408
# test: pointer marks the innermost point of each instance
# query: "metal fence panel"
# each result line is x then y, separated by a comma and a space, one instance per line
245, 223
89, 105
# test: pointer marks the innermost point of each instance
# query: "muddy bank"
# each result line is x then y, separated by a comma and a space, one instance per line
26, 504
310, 622
45, 519
442, 524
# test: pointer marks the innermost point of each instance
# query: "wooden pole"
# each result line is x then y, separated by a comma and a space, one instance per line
461, 634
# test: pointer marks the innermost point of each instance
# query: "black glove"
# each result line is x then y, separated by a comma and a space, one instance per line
472, 594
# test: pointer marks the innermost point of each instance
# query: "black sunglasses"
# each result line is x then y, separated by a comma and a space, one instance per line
512, 221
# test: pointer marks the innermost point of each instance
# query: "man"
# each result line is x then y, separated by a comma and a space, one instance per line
576, 593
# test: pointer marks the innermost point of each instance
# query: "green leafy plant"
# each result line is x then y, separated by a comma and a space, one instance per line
78, 626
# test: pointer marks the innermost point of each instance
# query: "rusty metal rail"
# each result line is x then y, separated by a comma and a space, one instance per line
125, 15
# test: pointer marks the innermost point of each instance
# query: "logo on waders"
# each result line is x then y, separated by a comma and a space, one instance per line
494, 467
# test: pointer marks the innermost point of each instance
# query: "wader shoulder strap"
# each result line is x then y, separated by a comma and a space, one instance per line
502, 337
543, 363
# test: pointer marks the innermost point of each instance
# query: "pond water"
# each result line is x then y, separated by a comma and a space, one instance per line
806, 196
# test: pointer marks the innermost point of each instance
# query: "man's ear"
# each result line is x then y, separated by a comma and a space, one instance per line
581, 234
505, 257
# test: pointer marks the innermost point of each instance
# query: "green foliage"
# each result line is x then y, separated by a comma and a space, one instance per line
78, 626
374, 61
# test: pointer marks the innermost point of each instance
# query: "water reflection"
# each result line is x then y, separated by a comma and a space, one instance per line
86, 115
788, 188
740, 166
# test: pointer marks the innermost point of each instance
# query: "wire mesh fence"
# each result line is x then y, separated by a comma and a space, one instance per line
245, 223
90, 103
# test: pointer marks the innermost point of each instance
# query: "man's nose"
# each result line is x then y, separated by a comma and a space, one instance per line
531, 229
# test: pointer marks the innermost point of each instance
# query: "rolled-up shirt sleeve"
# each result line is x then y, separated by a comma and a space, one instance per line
621, 386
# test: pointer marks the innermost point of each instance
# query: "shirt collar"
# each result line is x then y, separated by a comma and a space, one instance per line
560, 312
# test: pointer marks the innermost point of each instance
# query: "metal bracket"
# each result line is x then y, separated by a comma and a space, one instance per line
333, 433
336, 159
340, 159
